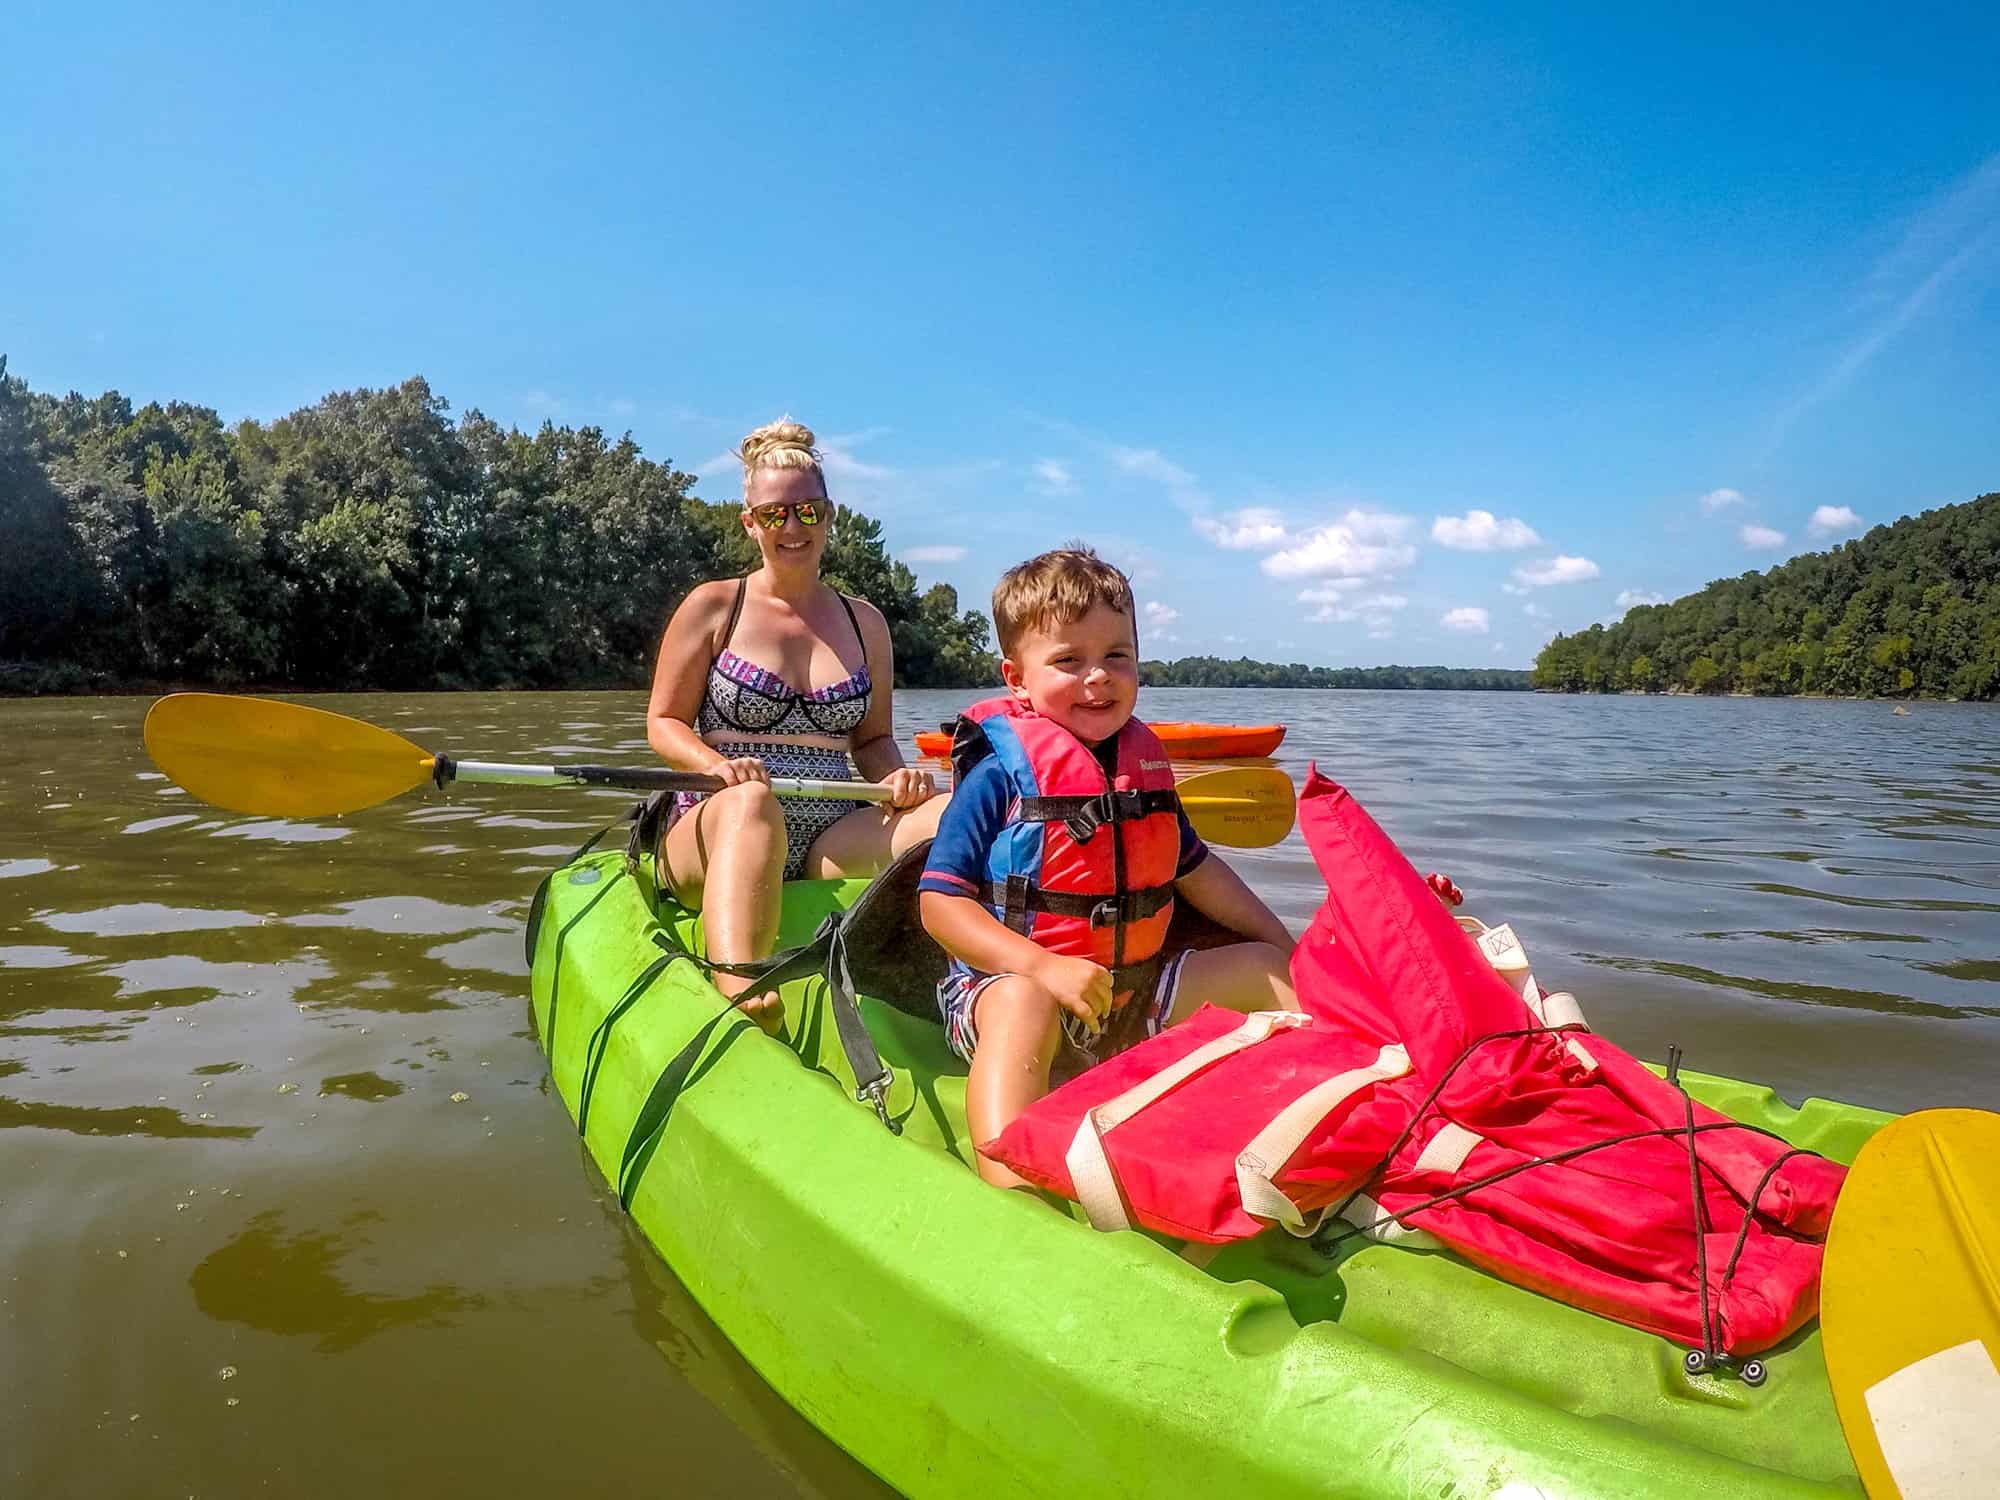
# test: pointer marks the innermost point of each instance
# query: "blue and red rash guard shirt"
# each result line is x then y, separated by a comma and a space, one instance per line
973, 820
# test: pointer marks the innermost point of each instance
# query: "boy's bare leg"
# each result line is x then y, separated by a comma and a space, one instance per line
1242, 976
1016, 1021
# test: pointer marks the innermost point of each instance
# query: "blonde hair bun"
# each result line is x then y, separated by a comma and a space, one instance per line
783, 444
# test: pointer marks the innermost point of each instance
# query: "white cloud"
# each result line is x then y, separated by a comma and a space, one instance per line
1159, 615
623, 406
1629, 598
1377, 525
947, 553
1251, 529
1534, 612
1762, 538
1055, 476
1833, 520
1499, 647
1467, 617
1558, 569
839, 462
1150, 463
1482, 531
1361, 544
1340, 603
719, 466
1716, 500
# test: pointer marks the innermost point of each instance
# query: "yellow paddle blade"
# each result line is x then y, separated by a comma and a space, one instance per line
1909, 1307
1247, 807
283, 760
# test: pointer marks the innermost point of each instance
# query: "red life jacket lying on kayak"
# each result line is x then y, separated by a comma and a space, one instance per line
1434, 1092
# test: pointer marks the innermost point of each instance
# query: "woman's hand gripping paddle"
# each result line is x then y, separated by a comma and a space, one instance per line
1909, 1307
285, 760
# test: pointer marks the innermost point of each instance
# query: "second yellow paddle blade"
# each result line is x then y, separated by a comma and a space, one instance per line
282, 760
1909, 1307
1250, 807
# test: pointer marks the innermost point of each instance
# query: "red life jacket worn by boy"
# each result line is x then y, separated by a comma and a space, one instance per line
1430, 1088
1086, 864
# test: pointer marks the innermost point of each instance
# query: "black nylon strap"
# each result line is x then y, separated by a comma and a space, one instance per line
1013, 898
1100, 911
825, 954
555, 967
651, 1120
871, 1075
600, 1039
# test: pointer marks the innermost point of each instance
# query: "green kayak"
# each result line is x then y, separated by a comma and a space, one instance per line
957, 1339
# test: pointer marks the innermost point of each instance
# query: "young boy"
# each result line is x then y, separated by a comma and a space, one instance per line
1053, 898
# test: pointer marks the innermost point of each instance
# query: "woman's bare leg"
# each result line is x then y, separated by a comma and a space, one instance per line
726, 859
863, 842
1016, 1022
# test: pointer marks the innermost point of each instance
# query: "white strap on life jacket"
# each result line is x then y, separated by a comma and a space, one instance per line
1267, 1153
1373, 1220
1447, 1150
1510, 961
1089, 1167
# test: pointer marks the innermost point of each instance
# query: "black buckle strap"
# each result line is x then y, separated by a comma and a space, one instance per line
1098, 910
1083, 816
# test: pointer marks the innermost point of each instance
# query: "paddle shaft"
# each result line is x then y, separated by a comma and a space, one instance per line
660, 779
644, 779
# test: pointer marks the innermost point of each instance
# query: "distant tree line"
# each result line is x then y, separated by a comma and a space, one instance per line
1213, 672
370, 541
1911, 610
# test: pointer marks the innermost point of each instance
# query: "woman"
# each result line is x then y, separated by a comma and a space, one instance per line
777, 672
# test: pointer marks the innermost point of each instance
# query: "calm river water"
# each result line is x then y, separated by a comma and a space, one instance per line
288, 1208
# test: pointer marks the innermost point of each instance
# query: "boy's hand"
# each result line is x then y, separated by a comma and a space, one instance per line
1080, 987
908, 788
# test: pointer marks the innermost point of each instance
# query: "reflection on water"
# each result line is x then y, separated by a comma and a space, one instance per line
290, 1284
160, 1124
271, 1091
368, 1087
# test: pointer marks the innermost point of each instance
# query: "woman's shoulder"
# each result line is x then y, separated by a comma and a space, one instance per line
711, 600
870, 618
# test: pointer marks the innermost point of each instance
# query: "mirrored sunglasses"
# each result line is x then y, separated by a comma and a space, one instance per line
772, 517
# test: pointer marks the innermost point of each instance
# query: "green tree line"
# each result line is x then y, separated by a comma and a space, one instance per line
370, 541
1214, 672
1911, 610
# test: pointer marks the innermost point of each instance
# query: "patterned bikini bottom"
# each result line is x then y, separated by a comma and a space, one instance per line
806, 818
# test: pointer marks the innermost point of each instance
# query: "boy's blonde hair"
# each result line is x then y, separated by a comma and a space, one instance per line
1056, 589
783, 444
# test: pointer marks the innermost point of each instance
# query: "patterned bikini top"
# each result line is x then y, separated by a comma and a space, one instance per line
746, 699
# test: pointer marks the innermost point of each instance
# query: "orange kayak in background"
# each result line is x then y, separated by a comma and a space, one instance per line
1184, 741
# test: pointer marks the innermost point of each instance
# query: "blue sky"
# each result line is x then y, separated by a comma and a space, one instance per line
1357, 333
